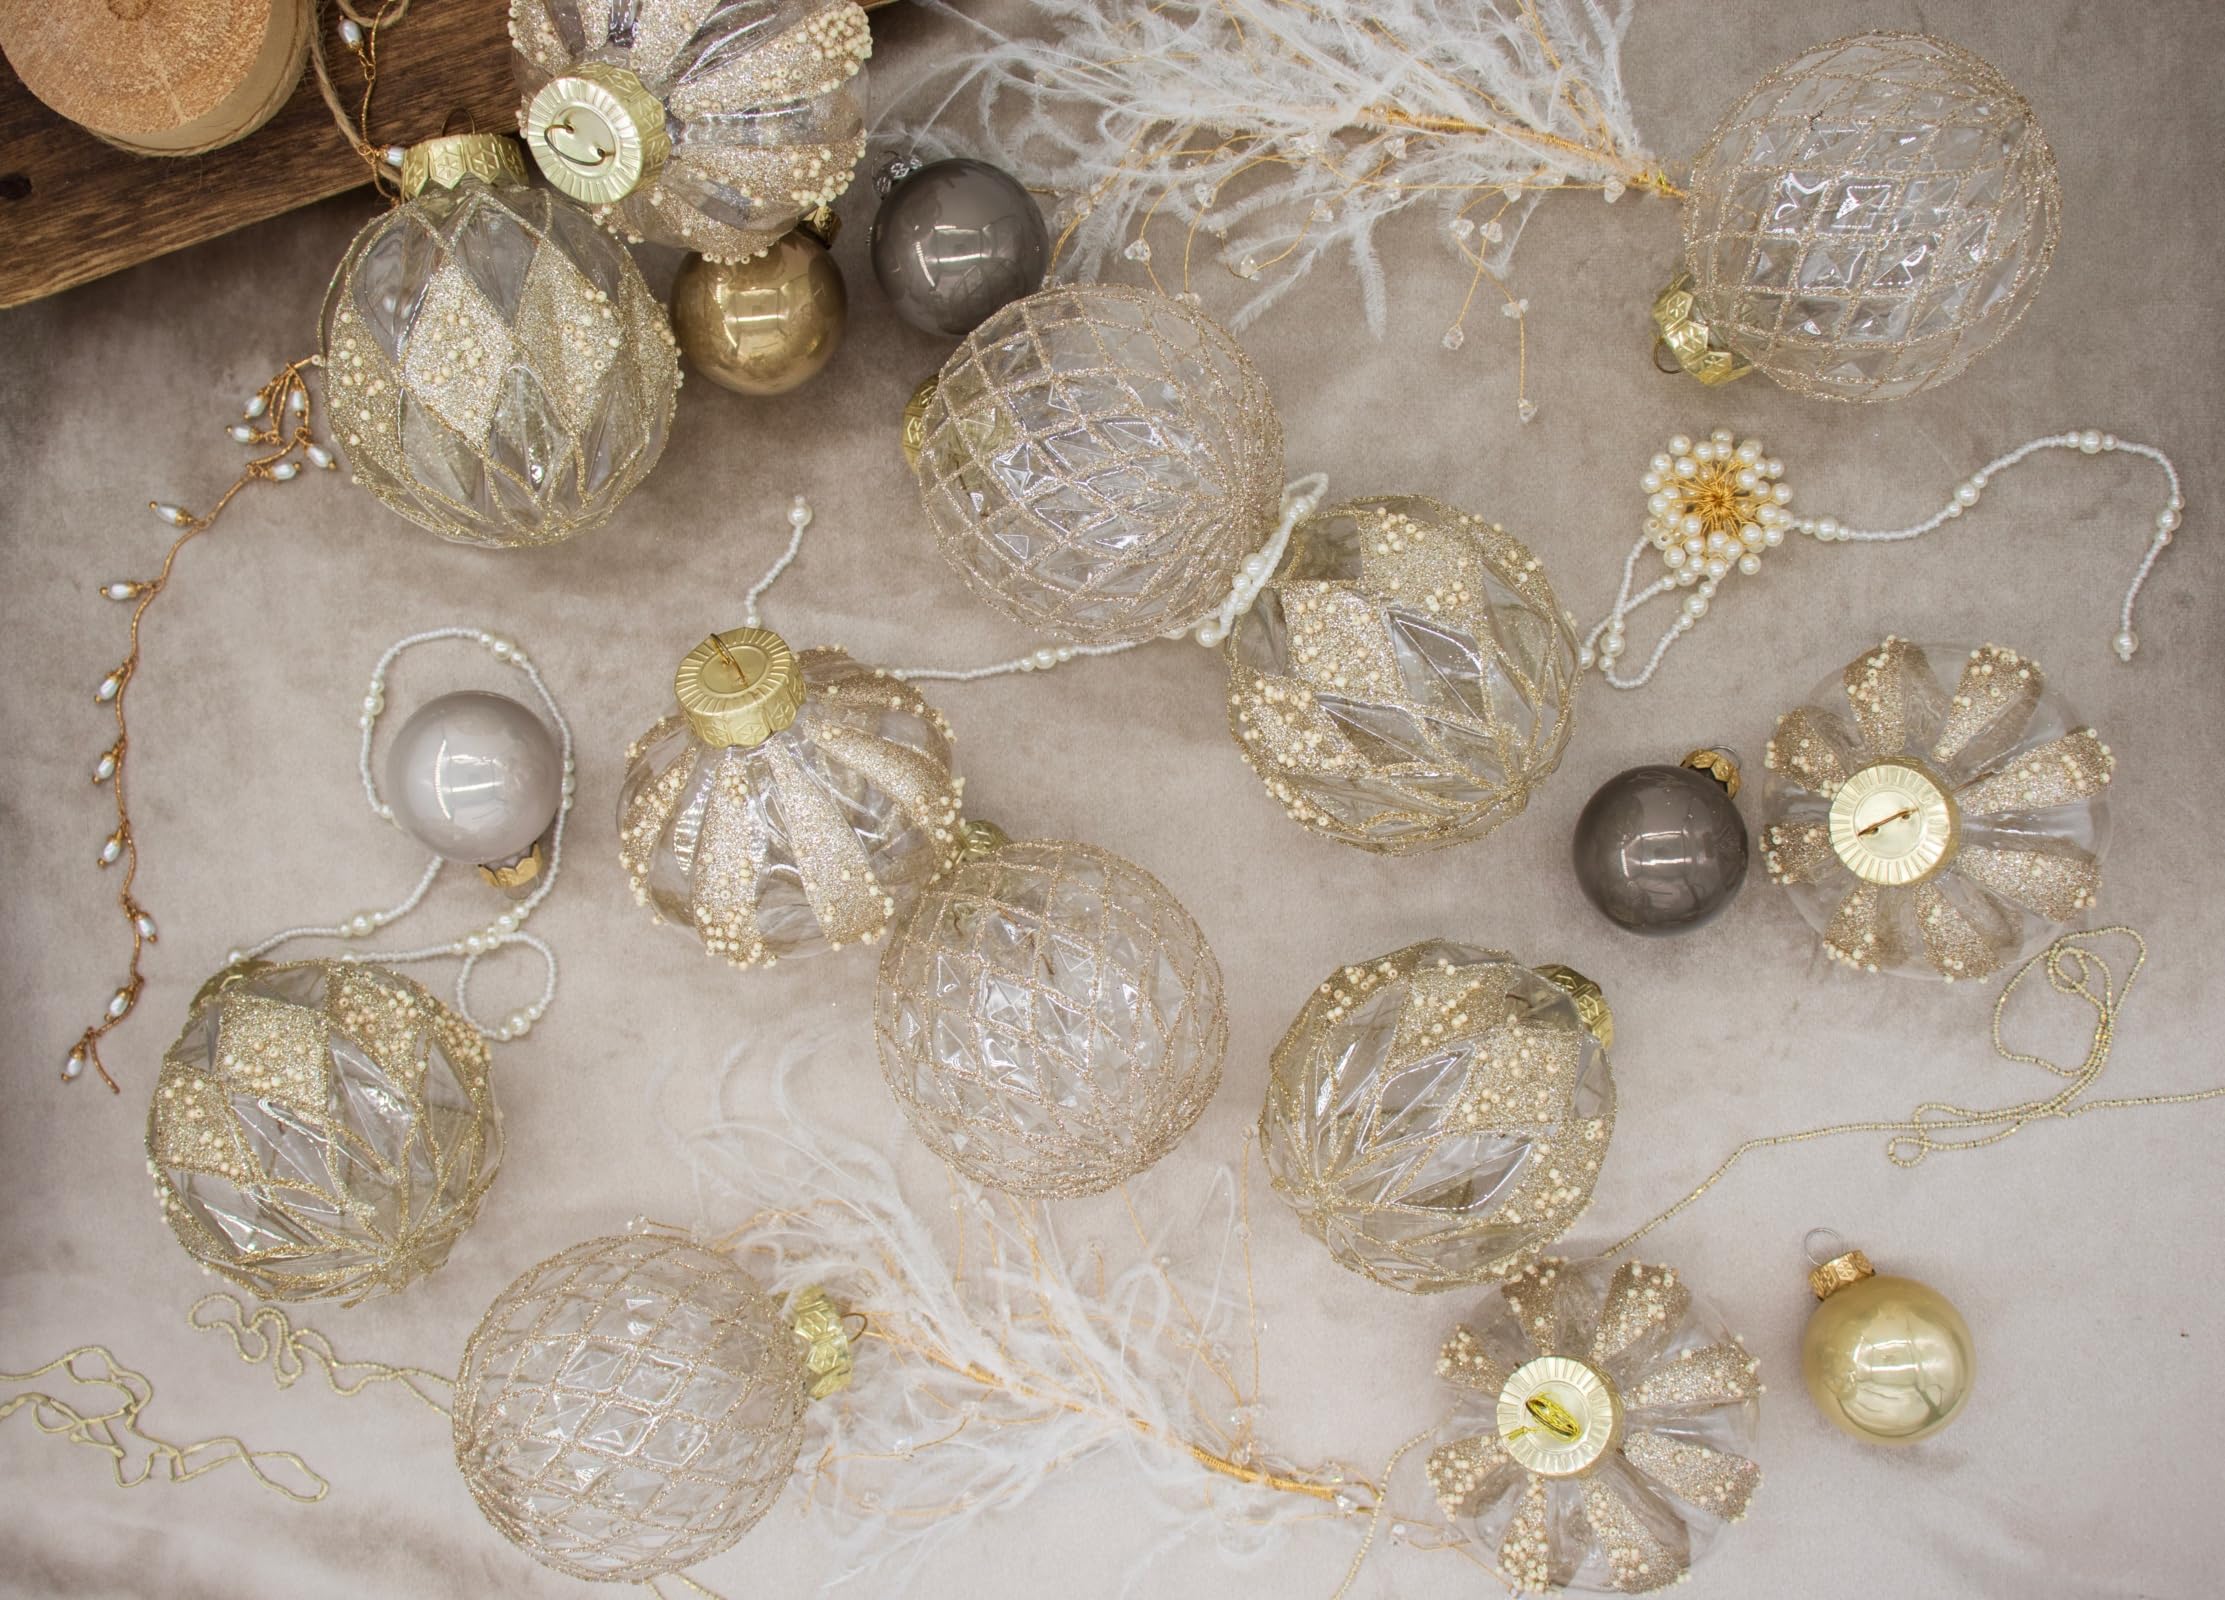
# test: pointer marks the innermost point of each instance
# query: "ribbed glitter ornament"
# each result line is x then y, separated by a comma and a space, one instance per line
630, 1407
1099, 462
793, 804
1406, 679
495, 368
712, 125
1605, 1432
322, 1129
1437, 1116
1050, 1019
1870, 219
1936, 831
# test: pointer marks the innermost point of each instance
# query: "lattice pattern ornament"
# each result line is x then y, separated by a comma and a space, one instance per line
1871, 218
1930, 831
322, 1129
1438, 1116
1406, 680
1051, 1019
1606, 1429
1099, 462
630, 1407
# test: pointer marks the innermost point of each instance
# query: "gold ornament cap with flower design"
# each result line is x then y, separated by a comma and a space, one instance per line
443, 163
740, 687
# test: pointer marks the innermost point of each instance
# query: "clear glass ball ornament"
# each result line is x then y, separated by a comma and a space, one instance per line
1871, 218
1099, 461
1050, 1019
322, 1129
1936, 810
629, 1407
1438, 1116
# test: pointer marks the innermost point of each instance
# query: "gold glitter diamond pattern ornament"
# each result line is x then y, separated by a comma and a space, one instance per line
497, 370
322, 1129
1613, 1420
629, 1407
1936, 832
1050, 1019
1870, 219
1406, 679
1099, 462
1437, 1117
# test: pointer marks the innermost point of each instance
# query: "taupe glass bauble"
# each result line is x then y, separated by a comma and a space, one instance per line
322, 1129
954, 241
766, 325
1887, 1360
475, 777
1437, 1116
1661, 849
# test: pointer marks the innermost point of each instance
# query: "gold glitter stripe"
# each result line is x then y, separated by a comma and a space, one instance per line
1642, 1302
1714, 1480
2076, 766
1798, 852
722, 891
1812, 749
1638, 1562
2055, 880
1464, 1361
1888, 688
838, 877
1999, 689
1468, 1474
1712, 1375
1956, 946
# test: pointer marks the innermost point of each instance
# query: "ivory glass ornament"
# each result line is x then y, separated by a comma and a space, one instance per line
1099, 462
1608, 1427
475, 777
1050, 1018
322, 1129
1936, 810
1887, 1360
495, 367
792, 804
1406, 679
629, 1407
1437, 1117
713, 125
1870, 219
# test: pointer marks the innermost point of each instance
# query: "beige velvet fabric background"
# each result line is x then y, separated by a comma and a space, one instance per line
2082, 1254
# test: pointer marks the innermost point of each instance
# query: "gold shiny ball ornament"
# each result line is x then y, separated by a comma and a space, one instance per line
495, 368
635, 1405
1050, 1017
762, 326
1406, 679
791, 803
1936, 810
710, 125
1438, 1116
1887, 1360
1604, 1433
322, 1129
1099, 462
1870, 219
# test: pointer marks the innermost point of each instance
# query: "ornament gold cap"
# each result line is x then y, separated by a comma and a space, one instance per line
1717, 764
739, 688
597, 133
915, 421
1688, 339
514, 877
1850, 1266
1590, 999
493, 158
817, 1322
822, 224
1557, 1417
238, 972
1894, 823
977, 838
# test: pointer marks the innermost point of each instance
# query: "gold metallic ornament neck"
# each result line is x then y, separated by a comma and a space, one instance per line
978, 838
493, 158
597, 133
822, 224
1558, 1417
515, 877
818, 1325
1689, 340
1718, 765
1591, 1001
1850, 1267
237, 972
915, 421
739, 688
1893, 823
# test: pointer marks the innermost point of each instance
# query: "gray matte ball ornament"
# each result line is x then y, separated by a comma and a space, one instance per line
474, 777
1662, 849
955, 240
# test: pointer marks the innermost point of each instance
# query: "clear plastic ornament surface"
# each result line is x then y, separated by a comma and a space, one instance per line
1099, 462
816, 838
495, 367
322, 1129
1437, 1116
1050, 1019
1936, 810
629, 1407
1606, 1429
1871, 218
1406, 679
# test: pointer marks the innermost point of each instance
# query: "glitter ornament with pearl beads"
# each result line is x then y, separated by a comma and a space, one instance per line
1935, 831
1604, 1435
322, 1129
496, 369
1406, 679
1438, 1116
792, 804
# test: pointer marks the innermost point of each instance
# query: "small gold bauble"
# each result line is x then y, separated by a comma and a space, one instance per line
1888, 1360
763, 326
